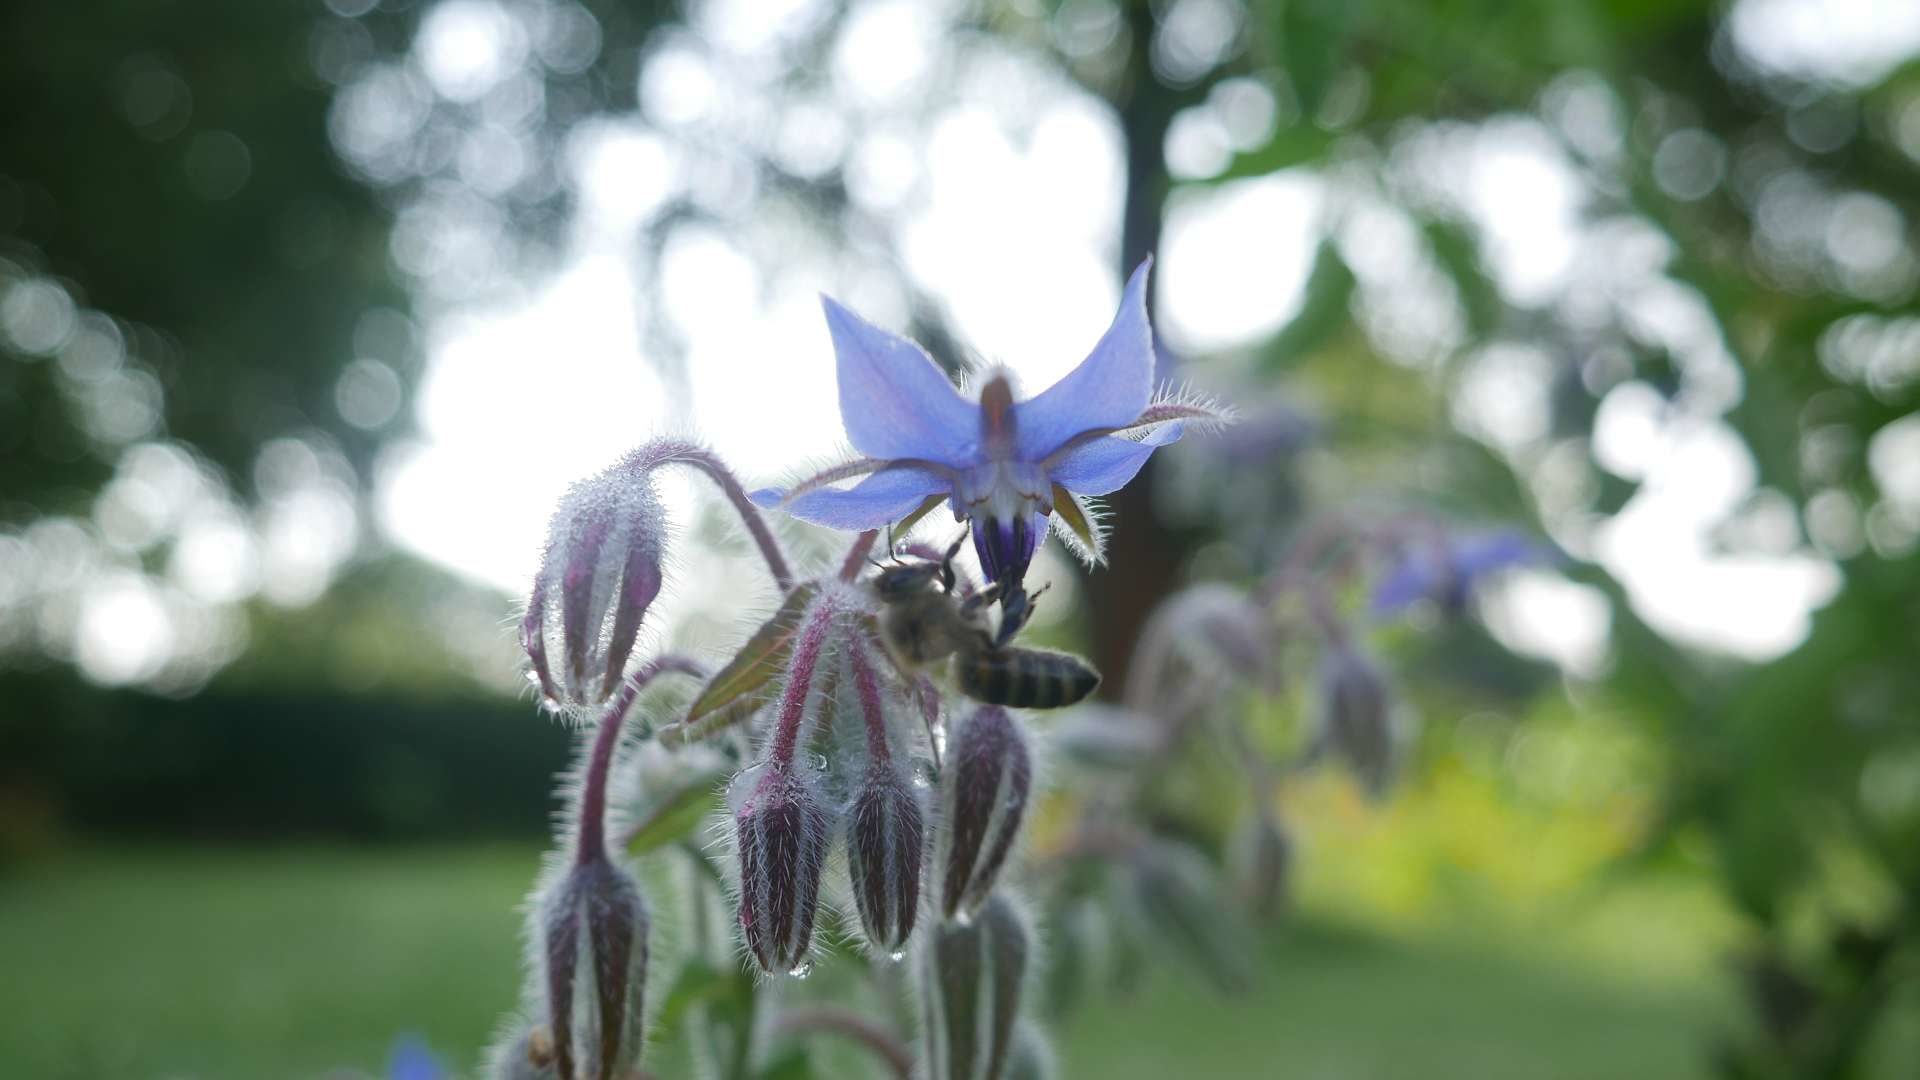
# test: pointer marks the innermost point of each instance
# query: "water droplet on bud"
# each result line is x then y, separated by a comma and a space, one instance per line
801, 970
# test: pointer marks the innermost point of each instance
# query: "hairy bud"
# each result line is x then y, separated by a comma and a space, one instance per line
1263, 865
1176, 900
886, 831
781, 830
971, 977
1356, 721
1032, 1057
598, 575
594, 938
983, 797
522, 1052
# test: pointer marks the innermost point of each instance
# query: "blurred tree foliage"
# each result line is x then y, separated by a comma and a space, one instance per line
170, 166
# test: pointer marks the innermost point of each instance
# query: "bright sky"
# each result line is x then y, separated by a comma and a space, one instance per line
999, 185
1013, 236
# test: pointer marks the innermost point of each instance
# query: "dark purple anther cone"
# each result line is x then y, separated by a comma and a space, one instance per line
1006, 547
782, 831
989, 774
595, 952
886, 835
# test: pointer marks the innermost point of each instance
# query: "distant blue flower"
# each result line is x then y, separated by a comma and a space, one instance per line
1448, 569
1005, 466
411, 1060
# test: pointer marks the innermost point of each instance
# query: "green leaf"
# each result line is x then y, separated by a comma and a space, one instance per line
1299, 144
1324, 309
1310, 38
791, 1064
677, 814
1454, 249
746, 682
701, 984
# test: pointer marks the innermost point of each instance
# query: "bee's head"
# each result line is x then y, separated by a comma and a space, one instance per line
902, 580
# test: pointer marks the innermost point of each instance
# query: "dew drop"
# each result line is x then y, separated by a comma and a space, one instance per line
897, 955
801, 970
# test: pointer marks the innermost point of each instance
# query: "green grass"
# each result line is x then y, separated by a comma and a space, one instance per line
1339, 1005
256, 965
289, 964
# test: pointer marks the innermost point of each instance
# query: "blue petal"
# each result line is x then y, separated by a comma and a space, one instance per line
1410, 581
894, 401
1105, 464
411, 1060
880, 499
1485, 553
1108, 390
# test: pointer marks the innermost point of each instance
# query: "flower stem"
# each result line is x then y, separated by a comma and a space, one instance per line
838, 1020
806, 659
591, 843
857, 554
676, 452
867, 688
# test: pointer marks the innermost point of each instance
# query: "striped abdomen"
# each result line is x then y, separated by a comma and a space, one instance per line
1024, 678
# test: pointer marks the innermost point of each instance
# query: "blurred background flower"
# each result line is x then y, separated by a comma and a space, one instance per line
310, 313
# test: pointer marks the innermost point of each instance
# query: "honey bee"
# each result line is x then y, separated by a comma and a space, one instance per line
922, 622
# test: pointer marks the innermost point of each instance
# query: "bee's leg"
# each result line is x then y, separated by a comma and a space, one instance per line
928, 699
1016, 607
946, 564
975, 601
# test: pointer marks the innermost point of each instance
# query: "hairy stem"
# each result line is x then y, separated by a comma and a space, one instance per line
857, 554
838, 1020
867, 688
793, 699
593, 789
676, 452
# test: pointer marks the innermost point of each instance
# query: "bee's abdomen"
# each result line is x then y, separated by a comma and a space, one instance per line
1025, 678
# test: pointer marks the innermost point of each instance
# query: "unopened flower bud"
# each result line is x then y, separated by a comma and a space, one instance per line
1175, 897
522, 1052
1263, 865
983, 797
1032, 1057
1108, 737
886, 831
1227, 622
972, 975
594, 937
598, 575
1356, 721
781, 830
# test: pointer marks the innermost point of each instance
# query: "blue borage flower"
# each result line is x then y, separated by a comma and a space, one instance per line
1009, 467
1447, 572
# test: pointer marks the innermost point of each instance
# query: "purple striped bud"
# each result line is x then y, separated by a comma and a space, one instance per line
1178, 907
983, 797
598, 575
972, 976
523, 1052
1033, 1057
594, 948
1263, 866
1356, 721
782, 831
886, 832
